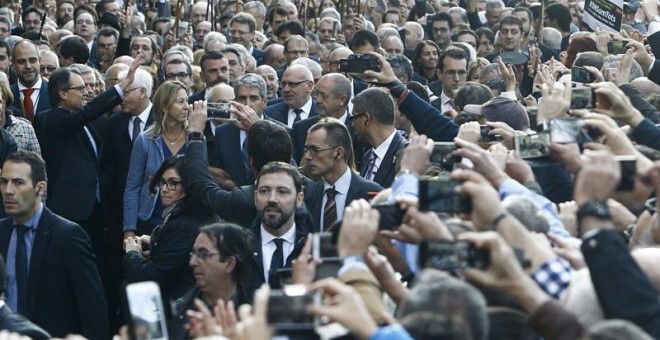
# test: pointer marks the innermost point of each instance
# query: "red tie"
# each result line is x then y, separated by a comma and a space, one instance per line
28, 105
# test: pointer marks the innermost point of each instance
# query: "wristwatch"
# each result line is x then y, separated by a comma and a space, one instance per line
196, 137
594, 208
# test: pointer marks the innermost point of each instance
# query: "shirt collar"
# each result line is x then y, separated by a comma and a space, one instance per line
289, 236
381, 150
444, 98
342, 184
144, 116
33, 222
36, 85
307, 108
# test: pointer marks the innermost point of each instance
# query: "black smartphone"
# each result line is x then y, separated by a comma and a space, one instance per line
533, 114
452, 255
485, 135
616, 47
583, 98
146, 315
391, 216
533, 146
287, 308
581, 75
442, 157
628, 165
439, 195
358, 63
219, 110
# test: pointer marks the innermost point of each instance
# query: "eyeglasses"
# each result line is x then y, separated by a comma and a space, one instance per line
47, 68
4, 30
180, 75
170, 184
202, 254
356, 116
453, 73
315, 151
80, 88
284, 84
84, 22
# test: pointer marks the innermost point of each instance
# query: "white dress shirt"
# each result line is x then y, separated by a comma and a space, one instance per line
445, 100
268, 247
303, 115
144, 116
35, 94
380, 152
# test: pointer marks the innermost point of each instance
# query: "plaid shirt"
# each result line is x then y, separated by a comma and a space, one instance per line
23, 132
553, 277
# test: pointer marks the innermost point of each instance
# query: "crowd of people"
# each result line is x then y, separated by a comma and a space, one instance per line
369, 169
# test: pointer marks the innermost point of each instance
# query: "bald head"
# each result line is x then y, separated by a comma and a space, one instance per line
270, 77
125, 59
274, 56
297, 85
414, 34
336, 56
112, 73
333, 93
393, 45
221, 93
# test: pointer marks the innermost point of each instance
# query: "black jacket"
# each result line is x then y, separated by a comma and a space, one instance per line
15, 323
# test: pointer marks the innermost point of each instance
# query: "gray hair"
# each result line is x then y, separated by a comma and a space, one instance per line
612, 61
460, 11
232, 49
552, 38
213, 36
336, 24
83, 69
258, 5
524, 209
492, 4
330, 12
313, 66
401, 67
49, 53
142, 79
251, 80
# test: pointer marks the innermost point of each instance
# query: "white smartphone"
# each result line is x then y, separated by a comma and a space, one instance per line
147, 317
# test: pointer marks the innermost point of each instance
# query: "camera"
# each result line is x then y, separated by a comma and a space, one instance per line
570, 130
442, 157
581, 75
583, 98
628, 165
616, 47
146, 315
287, 308
486, 137
324, 250
452, 255
533, 146
358, 63
219, 110
391, 216
439, 195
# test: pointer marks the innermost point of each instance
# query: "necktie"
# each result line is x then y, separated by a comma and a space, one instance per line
28, 105
330, 210
246, 160
136, 128
297, 112
370, 168
276, 262
21, 270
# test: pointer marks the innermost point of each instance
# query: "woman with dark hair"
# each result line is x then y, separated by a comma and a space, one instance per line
220, 262
425, 60
165, 261
578, 45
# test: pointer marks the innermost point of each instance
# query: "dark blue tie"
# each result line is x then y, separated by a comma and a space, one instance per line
298, 117
21, 270
276, 263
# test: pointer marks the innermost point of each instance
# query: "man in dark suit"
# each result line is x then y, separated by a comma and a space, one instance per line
13, 322
241, 28
268, 141
61, 288
278, 237
328, 153
297, 85
215, 70
272, 82
373, 120
72, 148
31, 91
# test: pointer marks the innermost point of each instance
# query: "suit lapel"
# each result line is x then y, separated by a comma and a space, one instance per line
387, 164
43, 102
5, 234
257, 256
354, 190
41, 240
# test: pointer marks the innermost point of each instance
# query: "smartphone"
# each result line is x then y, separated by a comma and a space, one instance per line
287, 308
323, 246
219, 110
581, 75
582, 98
439, 195
533, 114
146, 317
533, 146
569, 130
442, 155
616, 47
391, 216
628, 165
452, 255
486, 137
358, 63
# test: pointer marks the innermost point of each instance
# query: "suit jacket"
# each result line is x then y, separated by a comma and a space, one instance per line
43, 104
197, 96
358, 86
624, 291
280, 112
299, 136
387, 169
654, 75
359, 188
65, 294
236, 206
258, 55
256, 262
427, 120
17, 324
71, 164
646, 133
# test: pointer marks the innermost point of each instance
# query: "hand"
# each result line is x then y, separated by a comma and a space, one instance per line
500, 154
386, 75
132, 244
427, 224
568, 216
384, 273
555, 103
304, 266
623, 70
485, 199
518, 169
598, 76
225, 316
650, 8
344, 305
621, 216
508, 75
504, 130
530, 101
253, 324
222, 178
128, 234
200, 322
641, 55
598, 177
7, 335
417, 155
359, 228
470, 132
197, 116
568, 155
245, 116
569, 249
482, 161
126, 82
615, 138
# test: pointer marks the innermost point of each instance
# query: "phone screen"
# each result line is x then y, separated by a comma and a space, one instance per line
147, 316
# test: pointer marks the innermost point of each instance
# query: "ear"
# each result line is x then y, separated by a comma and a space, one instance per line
300, 197
41, 188
231, 265
438, 73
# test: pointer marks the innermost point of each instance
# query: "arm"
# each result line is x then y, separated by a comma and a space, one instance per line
134, 181
646, 133
641, 104
85, 282
426, 119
